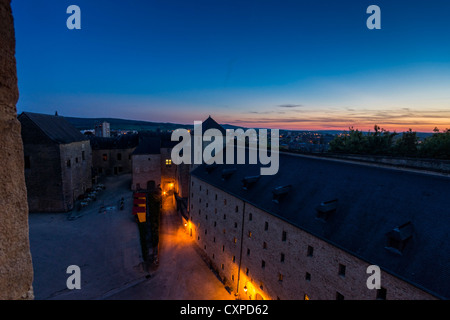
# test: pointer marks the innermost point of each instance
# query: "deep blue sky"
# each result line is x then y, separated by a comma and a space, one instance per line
292, 64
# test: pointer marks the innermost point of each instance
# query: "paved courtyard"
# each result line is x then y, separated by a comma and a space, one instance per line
105, 245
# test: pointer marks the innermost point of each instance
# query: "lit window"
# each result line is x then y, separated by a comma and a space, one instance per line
306, 297
168, 162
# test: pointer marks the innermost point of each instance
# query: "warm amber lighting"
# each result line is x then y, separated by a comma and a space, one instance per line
245, 288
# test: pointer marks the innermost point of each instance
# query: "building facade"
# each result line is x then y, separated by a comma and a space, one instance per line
57, 162
313, 231
112, 156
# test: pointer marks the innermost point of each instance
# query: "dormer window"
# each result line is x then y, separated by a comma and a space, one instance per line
280, 192
326, 209
398, 237
249, 181
227, 173
210, 167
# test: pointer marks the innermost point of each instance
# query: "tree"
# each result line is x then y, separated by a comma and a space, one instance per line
407, 144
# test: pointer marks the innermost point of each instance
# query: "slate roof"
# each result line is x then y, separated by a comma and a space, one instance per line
210, 123
56, 128
148, 145
123, 141
371, 202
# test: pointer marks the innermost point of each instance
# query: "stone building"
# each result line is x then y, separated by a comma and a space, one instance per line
58, 162
312, 230
113, 155
16, 269
152, 165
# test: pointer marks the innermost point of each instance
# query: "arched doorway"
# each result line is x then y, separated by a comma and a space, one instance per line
151, 185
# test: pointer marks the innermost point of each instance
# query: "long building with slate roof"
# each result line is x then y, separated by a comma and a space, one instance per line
58, 161
312, 230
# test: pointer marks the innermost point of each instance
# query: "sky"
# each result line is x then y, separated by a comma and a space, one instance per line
301, 65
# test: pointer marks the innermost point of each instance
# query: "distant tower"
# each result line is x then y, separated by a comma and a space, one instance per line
56, 113
103, 130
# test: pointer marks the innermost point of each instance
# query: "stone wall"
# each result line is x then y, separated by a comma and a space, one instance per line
246, 246
44, 166
16, 270
146, 167
118, 161
76, 178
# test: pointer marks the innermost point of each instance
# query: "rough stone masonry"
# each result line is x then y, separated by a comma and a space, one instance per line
16, 271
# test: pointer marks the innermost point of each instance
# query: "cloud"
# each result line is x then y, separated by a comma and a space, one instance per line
290, 106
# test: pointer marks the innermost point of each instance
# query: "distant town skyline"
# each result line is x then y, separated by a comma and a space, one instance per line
288, 64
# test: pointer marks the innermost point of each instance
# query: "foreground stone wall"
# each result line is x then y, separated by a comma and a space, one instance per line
16, 271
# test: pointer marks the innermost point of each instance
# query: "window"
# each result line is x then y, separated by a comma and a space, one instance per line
249, 234
310, 251
236, 209
398, 237
248, 251
308, 276
263, 264
266, 226
76, 159
282, 257
168, 162
235, 225
280, 277
216, 196
83, 155
234, 240
264, 245
247, 271
339, 296
233, 259
119, 156
306, 297
222, 266
223, 248
224, 202
250, 217
381, 293
224, 217
27, 162
105, 157
68, 164
284, 236
341, 270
